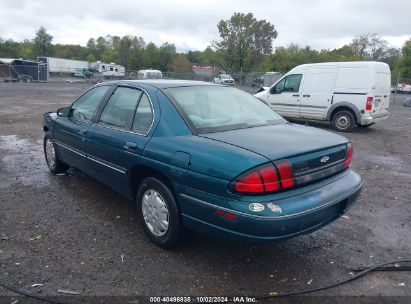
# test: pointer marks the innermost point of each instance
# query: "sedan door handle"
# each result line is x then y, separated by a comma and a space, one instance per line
82, 132
296, 95
130, 145
306, 95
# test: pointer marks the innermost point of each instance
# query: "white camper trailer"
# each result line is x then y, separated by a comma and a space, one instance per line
108, 70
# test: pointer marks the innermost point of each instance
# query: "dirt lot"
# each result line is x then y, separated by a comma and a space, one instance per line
71, 232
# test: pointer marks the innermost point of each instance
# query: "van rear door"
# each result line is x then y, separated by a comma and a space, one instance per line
381, 92
317, 92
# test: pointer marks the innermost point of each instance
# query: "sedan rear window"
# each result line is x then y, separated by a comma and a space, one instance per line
214, 108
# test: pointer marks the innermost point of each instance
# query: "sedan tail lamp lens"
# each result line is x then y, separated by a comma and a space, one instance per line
264, 179
270, 178
348, 156
250, 182
286, 173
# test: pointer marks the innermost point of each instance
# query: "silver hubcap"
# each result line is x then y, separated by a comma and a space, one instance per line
50, 153
155, 212
343, 121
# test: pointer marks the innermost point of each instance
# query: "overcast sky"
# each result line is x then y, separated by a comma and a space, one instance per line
191, 24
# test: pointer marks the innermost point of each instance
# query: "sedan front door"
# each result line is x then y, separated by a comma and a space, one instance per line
70, 132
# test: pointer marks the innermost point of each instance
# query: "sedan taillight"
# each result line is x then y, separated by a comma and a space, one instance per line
348, 156
265, 179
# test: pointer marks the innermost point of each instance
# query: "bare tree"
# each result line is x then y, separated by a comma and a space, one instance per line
369, 46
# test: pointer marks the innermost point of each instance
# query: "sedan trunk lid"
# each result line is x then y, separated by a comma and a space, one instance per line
313, 153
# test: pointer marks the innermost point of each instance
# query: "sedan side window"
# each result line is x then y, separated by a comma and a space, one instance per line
119, 110
84, 107
144, 116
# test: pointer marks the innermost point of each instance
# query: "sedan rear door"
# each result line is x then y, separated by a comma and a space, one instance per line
117, 140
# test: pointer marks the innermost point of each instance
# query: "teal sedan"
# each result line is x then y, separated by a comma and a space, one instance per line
206, 157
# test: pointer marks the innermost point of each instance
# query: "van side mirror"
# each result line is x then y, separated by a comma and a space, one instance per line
273, 90
63, 112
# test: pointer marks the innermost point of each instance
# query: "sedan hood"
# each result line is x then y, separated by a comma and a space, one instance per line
279, 141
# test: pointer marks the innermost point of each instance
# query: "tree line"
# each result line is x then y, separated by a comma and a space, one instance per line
245, 45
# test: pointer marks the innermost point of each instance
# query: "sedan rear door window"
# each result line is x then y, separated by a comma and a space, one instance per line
144, 116
119, 110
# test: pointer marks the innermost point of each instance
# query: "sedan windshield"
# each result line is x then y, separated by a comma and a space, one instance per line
214, 108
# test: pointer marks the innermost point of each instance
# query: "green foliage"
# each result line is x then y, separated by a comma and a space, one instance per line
91, 58
246, 44
42, 43
180, 64
244, 41
286, 58
405, 64
71, 51
9, 49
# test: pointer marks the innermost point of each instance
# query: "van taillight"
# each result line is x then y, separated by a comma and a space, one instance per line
348, 156
265, 179
368, 104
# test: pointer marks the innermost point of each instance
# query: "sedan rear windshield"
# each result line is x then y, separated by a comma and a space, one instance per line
214, 108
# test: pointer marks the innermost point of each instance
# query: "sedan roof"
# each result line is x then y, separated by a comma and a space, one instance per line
163, 83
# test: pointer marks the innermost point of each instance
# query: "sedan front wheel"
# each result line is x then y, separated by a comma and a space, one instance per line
52, 159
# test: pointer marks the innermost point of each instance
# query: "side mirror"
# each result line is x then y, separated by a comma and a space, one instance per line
63, 112
273, 90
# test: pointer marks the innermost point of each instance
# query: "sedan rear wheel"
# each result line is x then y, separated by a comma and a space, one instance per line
155, 212
159, 213
52, 159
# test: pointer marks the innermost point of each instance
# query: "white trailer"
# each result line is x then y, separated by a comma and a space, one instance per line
63, 66
108, 70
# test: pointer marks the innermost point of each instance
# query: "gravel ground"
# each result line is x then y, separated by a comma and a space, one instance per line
71, 232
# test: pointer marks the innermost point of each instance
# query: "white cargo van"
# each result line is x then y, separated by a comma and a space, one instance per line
344, 93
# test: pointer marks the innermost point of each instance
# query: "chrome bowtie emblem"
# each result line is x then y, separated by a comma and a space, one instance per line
324, 159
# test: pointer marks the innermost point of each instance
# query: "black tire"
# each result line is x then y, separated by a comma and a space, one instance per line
173, 234
57, 166
343, 121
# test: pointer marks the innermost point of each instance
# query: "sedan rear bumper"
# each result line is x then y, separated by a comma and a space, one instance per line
327, 204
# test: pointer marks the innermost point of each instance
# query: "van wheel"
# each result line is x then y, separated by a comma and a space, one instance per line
158, 212
343, 121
